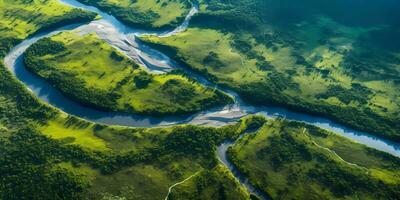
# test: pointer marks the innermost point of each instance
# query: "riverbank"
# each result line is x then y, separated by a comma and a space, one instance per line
87, 69
145, 14
230, 68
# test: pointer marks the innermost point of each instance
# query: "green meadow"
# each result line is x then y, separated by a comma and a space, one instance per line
292, 160
151, 14
320, 64
20, 18
100, 76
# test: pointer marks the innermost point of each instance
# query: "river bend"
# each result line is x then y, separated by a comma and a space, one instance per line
122, 38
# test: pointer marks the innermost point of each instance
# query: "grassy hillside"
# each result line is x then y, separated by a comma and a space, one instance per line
202, 186
293, 160
148, 14
94, 73
68, 158
95, 161
20, 18
310, 59
142, 163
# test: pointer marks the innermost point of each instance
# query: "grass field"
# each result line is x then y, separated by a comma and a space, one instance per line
19, 19
100, 76
202, 186
152, 14
62, 128
293, 160
227, 65
170, 161
319, 64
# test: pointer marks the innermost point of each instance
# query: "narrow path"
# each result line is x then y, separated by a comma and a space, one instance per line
334, 153
176, 184
340, 158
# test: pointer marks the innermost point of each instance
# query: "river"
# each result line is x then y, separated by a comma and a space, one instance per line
122, 38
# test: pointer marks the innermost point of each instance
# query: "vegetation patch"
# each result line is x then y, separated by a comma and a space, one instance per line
202, 186
149, 14
308, 59
100, 76
289, 159
20, 18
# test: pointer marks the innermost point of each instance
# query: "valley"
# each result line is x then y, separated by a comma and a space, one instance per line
221, 148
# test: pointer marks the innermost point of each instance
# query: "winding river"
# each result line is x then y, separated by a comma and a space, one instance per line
122, 38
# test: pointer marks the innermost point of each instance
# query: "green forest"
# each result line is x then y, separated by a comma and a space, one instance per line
314, 60
313, 57
281, 156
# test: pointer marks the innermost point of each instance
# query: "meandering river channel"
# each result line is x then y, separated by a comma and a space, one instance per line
123, 37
